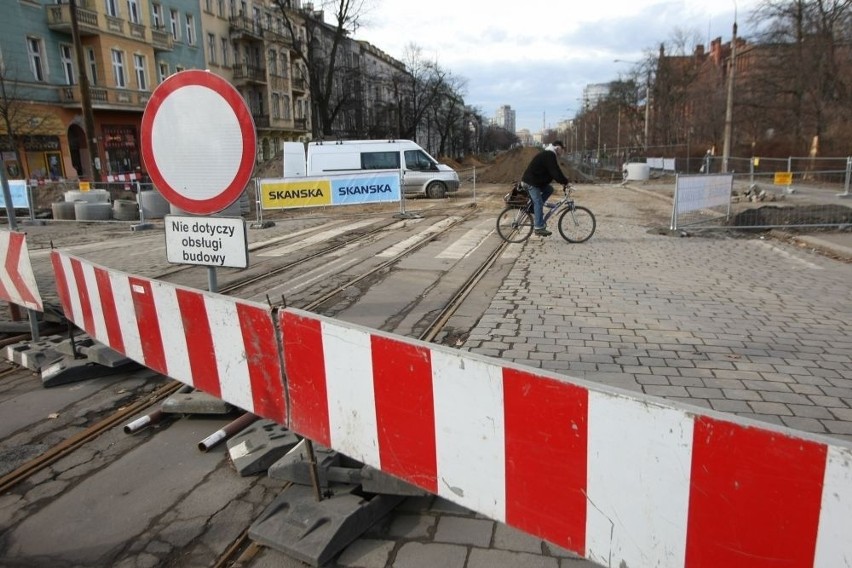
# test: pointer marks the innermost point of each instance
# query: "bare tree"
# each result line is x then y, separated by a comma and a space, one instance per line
800, 75
417, 91
329, 72
18, 117
448, 114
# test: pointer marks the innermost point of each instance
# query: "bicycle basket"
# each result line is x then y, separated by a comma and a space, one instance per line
518, 197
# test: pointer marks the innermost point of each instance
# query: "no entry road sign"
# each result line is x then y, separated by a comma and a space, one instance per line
198, 141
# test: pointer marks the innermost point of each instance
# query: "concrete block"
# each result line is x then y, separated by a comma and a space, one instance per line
316, 531
69, 370
259, 446
195, 402
376, 481
331, 467
29, 354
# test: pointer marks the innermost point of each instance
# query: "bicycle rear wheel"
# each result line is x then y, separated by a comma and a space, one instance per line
514, 224
577, 225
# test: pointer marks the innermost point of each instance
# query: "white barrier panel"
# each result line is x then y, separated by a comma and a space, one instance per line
223, 346
17, 281
620, 478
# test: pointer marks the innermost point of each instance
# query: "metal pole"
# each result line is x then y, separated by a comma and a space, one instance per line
729, 107
228, 431
848, 178
7, 199
212, 285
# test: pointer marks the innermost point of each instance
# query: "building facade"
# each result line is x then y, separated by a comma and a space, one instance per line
505, 118
131, 46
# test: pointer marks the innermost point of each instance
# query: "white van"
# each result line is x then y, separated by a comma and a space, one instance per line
422, 174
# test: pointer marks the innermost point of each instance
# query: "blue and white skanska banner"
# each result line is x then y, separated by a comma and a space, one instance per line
315, 191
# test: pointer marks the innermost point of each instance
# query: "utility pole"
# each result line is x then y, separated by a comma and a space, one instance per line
729, 107
647, 108
85, 96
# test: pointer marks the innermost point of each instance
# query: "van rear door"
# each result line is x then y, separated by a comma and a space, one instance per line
294, 159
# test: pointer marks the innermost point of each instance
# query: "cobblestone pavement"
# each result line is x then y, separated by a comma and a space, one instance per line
752, 326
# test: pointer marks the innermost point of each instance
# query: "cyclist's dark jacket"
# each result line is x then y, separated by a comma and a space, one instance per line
543, 169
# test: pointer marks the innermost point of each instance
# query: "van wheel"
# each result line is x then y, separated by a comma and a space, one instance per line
436, 190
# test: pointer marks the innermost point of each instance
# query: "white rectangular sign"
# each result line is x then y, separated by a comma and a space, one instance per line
208, 241
702, 191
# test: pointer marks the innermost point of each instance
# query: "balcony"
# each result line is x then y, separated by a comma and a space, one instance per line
245, 28
260, 120
300, 124
245, 73
115, 25
59, 18
162, 40
299, 85
104, 98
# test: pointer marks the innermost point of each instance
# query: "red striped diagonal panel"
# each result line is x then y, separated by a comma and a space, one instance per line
305, 376
755, 497
546, 446
17, 281
402, 377
221, 345
199, 342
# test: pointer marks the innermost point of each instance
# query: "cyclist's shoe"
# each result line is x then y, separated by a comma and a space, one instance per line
543, 232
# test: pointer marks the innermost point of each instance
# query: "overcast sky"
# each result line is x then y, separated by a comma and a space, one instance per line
537, 56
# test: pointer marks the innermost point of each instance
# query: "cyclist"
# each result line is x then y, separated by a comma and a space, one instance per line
542, 170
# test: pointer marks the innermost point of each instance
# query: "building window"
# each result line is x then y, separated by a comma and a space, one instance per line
276, 105
118, 69
140, 65
173, 20
133, 10
157, 16
66, 54
286, 108
179, 68
226, 52
211, 48
35, 51
162, 72
190, 30
221, 6
208, 6
272, 62
93, 66
112, 8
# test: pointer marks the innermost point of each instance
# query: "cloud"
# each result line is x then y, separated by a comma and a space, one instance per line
538, 59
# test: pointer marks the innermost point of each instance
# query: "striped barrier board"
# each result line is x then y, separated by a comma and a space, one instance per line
620, 478
219, 345
17, 281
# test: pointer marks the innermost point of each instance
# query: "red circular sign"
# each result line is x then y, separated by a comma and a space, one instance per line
198, 141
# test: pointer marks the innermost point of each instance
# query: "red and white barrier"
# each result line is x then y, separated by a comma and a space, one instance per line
17, 281
122, 177
620, 478
222, 346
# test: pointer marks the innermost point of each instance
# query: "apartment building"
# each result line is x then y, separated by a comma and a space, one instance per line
127, 48
505, 118
131, 46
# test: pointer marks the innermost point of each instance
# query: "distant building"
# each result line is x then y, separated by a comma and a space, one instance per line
505, 118
595, 93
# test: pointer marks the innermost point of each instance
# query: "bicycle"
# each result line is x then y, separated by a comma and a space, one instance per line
515, 223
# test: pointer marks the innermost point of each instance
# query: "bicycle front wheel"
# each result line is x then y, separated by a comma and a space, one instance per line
577, 225
514, 224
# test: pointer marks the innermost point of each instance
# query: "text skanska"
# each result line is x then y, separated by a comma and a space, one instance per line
295, 194
363, 189
203, 228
